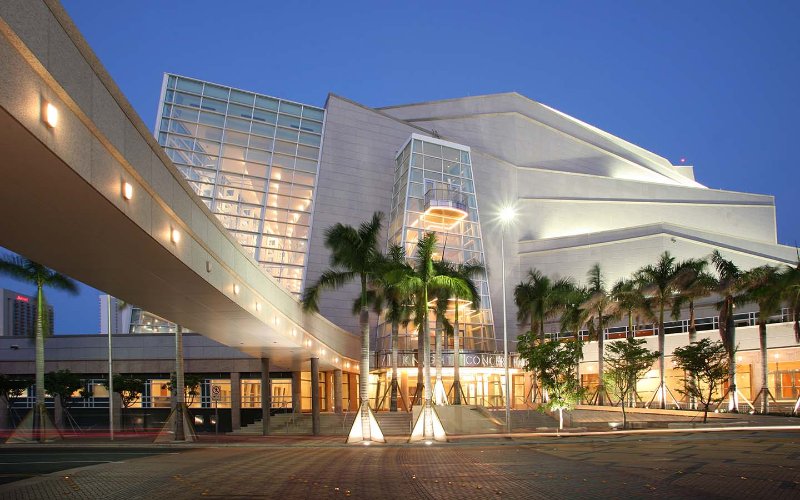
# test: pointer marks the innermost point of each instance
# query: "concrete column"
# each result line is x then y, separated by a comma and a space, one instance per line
266, 396
353, 385
337, 391
315, 396
236, 400
297, 401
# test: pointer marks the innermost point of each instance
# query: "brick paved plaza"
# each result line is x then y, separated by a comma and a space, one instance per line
709, 465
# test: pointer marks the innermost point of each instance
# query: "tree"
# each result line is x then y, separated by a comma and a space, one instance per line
129, 388
555, 361
27, 270
10, 390
62, 383
573, 318
466, 272
694, 282
729, 287
762, 286
627, 361
395, 305
630, 300
599, 306
422, 283
660, 284
790, 290
355, 255
538, 299
707, 362
191, 386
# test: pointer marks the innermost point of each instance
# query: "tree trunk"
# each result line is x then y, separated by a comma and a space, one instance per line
561, 419
363, 372
731, 334
661, 358
601, 400
438, 355
630, 325
418, 394
692, 339
427, 407
762, 339
456, 359
624, 416
40, 412
179, 390
395, 332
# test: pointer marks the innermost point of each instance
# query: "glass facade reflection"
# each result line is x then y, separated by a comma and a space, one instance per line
253, 159
434, 191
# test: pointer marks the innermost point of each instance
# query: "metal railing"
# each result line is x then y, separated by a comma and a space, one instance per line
676, 327
445, 198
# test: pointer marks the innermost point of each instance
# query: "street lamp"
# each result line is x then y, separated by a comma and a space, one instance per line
507, 216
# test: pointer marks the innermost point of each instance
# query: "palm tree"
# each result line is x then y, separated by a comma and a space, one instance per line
762, 286
729, 284
422, 283
355, 255
601, 307
630, 300
694, 282
466, 273
538, 299
398, 308
32, 272
573, 317
790, 286
660, 284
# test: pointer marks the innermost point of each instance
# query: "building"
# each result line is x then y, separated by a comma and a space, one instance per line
218, 223
18, 315
279, 173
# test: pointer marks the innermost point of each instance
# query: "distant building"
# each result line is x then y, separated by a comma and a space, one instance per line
18, 315
120, 313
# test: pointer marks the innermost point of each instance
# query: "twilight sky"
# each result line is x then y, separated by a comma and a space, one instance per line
713, 82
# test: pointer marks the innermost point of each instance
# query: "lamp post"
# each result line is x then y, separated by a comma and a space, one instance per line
507, 215
110, 372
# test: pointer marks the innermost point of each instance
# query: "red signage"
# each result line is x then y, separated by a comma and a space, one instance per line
22, 299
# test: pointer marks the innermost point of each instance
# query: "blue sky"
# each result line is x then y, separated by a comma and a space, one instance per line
713, 82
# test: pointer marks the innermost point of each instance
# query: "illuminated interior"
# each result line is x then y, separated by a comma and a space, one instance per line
434, 191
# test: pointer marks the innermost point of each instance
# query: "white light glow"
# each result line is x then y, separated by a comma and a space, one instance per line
175, 236
258, 306
236, 289
508, 214
127, 190
50, 115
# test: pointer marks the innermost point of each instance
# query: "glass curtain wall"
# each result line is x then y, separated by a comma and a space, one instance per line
253, 160
434, 191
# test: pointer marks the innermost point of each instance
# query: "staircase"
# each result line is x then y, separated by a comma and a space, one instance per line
331, 424
394, 423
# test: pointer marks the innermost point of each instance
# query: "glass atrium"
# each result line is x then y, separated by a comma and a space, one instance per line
253, 159
434, 191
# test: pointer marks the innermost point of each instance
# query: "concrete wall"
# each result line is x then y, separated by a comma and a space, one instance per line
355, 180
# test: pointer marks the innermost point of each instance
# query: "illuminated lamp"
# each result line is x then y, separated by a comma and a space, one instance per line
50, 114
